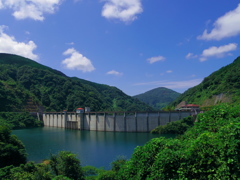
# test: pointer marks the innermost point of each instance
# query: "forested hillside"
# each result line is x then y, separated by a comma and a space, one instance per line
158, 97
221, 86
25, 85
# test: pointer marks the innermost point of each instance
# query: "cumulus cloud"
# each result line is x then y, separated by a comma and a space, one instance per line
33, 9
8, 44
77, 61
156, 59
113, 72
124, 10
173, 84
225, 26
218, 52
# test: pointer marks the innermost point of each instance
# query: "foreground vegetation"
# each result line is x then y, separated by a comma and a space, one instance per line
208, 150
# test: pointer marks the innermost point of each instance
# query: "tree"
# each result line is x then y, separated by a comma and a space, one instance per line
12, 150
107, 175
65, 163
208, 150
118, 163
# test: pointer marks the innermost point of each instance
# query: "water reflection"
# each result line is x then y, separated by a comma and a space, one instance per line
94, 148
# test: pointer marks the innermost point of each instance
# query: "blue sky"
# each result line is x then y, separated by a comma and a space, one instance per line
135, 45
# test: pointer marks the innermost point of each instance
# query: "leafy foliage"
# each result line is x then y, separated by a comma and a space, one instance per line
107, 175
12, 151
19, 120
91, 172
66, 164
63, 166
26, 85
208, 150
158, 98
176, 127
118, 163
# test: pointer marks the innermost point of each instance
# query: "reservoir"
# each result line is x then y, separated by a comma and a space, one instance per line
93, 148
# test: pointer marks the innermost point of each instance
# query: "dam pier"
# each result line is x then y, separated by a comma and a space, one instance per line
112, 121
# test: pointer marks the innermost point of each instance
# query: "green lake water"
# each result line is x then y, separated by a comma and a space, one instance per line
93, 148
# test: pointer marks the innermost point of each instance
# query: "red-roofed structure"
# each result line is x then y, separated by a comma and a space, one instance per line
80, 110
189, 107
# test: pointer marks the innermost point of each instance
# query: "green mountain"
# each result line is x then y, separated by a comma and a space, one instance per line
219, 87
158, 97
26, 85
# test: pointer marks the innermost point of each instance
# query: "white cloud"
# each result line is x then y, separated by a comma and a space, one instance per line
8, 44
1, 4
116, 73
218, 52
77, 61
225, 26
156, 59
124, 10
33, 9
70, 43
169, 71
173, 84
191, 56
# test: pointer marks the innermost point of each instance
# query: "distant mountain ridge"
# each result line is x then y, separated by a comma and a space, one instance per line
222, 86
26, 85
158, 98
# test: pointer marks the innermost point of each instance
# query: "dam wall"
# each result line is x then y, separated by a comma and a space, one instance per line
112, 121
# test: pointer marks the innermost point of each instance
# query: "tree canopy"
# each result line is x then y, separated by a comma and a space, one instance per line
12, 150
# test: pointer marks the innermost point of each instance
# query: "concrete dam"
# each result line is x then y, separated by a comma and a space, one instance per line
112, 121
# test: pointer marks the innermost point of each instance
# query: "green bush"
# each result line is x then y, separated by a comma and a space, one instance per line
91, 172
65, 163
118, 163
176, 127
29, 171
5, 172
208, 150
12, 150
107, 175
